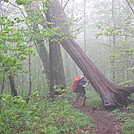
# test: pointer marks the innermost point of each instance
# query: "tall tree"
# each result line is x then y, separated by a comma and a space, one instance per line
30, 79
111, 94
113, 39
13, 50
12, 85
42, 51
53, 64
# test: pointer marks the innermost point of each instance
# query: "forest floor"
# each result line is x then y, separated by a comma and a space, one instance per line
104, 121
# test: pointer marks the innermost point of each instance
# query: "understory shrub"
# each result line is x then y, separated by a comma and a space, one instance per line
126, 115
39, 116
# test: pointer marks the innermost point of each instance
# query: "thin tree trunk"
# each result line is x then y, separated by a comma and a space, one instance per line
51, 58
30, 79
59, 75
3, 81
22, 84
12, 85
43, 53
114, 41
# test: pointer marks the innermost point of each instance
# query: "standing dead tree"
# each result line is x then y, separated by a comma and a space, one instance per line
111, 94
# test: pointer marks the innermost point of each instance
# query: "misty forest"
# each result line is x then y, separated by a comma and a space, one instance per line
45, 44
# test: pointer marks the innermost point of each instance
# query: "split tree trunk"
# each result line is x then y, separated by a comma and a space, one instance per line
52, 62
111, 94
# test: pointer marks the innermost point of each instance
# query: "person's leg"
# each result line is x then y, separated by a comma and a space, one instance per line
77, 97
73, 102
84, 100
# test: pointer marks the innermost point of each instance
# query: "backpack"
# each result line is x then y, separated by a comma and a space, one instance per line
75, 83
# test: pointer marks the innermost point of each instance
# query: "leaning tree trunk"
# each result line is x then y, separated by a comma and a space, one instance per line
111, 94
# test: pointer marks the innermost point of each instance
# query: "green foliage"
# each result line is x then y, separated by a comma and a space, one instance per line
42, 31
39, 116
129, 128
131, 1
126, 115
126, 83
6, 0
109, 31
21, 2
13, 49
46, 3
125, 27
121, 53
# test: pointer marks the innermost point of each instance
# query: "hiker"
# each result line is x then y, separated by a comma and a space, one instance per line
80, 90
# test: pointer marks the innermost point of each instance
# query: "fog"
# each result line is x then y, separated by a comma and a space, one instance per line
100, 26
104, 29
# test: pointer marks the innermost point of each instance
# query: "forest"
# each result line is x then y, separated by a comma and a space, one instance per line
45, 44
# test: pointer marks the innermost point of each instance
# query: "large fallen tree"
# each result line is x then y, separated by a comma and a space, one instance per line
111, 94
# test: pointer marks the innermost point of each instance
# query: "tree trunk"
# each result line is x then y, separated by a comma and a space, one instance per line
113, 42
51, 58
3, 82
58, 70
59, 75
12, 85
43, 53
111, 94
30, 79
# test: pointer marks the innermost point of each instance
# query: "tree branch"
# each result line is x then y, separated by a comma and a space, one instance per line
130, 6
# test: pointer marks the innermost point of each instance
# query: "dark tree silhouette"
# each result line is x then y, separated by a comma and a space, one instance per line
12, 85
111, 94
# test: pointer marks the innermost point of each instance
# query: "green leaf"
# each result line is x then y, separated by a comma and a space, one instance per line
10, 23
6, 0
23, 2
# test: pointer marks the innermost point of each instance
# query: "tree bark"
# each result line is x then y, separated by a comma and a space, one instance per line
59, 75
111, 94
51, 58
12, 85
3, 82
43, 53
30, 79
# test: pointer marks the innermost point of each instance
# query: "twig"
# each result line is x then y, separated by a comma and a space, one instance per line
130, 6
